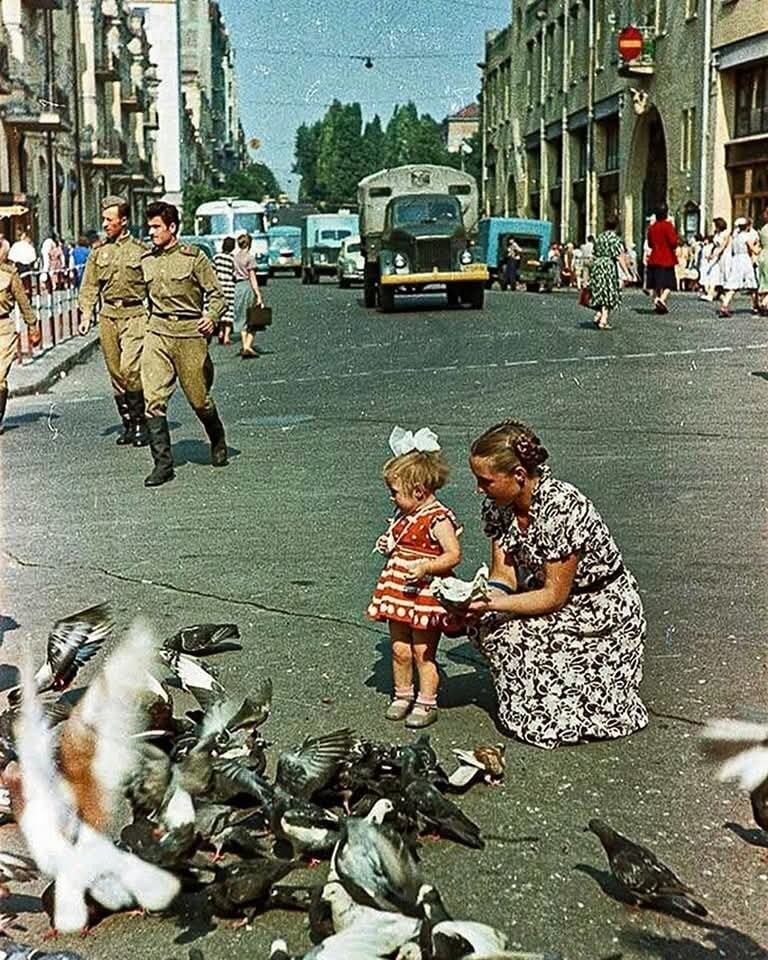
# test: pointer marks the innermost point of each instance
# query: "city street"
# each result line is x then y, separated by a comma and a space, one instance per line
661, 421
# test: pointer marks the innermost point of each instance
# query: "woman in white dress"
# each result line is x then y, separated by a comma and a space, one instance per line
714, 260
740, 266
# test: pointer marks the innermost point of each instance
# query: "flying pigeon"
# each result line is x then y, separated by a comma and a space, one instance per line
641, 874
743, 748
203, 639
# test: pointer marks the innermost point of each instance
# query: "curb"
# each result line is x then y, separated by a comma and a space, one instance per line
42, 373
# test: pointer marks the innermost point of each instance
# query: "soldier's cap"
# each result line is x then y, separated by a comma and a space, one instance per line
112, 201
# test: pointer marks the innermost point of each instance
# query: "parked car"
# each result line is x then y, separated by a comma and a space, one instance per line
532, 236
350, 267
284, 249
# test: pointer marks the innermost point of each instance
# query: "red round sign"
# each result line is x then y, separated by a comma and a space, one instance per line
630, 43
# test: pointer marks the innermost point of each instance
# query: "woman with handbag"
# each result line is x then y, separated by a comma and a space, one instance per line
247, 294
604, 286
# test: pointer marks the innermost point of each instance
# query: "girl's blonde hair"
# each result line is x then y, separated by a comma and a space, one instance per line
417, 469
509, 444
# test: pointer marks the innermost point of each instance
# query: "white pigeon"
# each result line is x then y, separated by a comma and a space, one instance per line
744, 745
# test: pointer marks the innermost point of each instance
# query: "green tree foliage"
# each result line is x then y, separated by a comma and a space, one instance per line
335, 153
254, 182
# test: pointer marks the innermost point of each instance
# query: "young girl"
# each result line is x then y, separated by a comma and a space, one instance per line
421, 542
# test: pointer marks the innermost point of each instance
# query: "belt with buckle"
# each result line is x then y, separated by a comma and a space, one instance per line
123, 303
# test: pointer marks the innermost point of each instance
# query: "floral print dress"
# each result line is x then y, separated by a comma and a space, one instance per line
574, 673
605, 290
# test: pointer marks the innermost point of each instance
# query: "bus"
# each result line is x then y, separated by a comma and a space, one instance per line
229, 217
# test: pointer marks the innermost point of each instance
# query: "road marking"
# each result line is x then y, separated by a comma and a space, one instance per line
562, 359
605, 356
638, 356
520, 363
716, 350
676, 353
756, 346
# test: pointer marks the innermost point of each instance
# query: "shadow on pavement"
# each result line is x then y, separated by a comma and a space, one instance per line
726, 943
753, 836
197, 451
14, 422
118, 428
9, 676
760, 374
6, 625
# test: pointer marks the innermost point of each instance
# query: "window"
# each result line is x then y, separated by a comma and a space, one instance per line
686, 139
580, 152
611, 132
529, 73
752, 101
533, 169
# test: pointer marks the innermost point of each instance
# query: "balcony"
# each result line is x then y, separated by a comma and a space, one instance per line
152, 118
645, 64
133, 99
107, 63
107, 151
48, 110
44, 4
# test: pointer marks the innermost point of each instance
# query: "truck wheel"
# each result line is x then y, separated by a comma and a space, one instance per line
263, 281
305, 276
475, 295
369, 293
386, 299
343, 283
315, 277
532, 287
297, 272
453, 292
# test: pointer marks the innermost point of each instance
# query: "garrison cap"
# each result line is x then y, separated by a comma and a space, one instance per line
112, 201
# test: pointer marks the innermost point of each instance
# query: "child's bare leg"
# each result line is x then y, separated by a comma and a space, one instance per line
424, 650
402, 670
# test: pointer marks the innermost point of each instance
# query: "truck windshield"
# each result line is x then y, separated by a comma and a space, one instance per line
249, 223
336, 235
418, 210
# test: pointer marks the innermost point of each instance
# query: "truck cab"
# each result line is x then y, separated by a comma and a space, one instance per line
284, 250
416, 229
532, 236
321, 237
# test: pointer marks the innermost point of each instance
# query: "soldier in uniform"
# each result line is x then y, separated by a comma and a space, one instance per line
185, 304
12, 292
113, 273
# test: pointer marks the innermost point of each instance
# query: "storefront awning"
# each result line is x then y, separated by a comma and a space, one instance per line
742, 52
13, 210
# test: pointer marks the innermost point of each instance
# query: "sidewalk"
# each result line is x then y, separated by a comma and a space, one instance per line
36, 376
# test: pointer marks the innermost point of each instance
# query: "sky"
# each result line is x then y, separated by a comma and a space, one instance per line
293, 57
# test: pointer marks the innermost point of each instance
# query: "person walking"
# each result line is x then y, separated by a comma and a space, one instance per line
587, 254
113, 277
740, 268
12, 293
185, 304
23, 255
762, 267
247, 293
715, 259
511, 264
605, 289
80, 253
224, 264
663, 241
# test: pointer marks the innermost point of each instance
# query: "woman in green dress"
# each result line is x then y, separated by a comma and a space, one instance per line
605, 289
762, 267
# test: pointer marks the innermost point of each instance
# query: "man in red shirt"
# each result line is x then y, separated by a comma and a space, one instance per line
660, 276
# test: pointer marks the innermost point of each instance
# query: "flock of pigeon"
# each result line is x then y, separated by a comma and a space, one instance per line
207, 818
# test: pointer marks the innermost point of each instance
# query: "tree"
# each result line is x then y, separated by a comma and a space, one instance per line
340, 153
305, 164
372, 155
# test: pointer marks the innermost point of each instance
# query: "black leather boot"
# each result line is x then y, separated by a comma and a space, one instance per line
160, 445
3, 402
126, 437
215, 429
135, 400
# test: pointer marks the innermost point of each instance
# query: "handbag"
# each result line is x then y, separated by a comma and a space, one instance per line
258, 318
585, 295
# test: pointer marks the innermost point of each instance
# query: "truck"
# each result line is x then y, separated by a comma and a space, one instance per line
417, 224
532, 236
321, 236
284, 250
229, 217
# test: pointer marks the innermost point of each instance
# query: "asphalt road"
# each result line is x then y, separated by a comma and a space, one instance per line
660, 420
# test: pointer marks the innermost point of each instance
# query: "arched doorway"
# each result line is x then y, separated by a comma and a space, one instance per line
646, 185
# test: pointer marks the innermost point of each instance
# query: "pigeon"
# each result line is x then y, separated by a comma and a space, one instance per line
743, 746
196, 679
64, 809
442, 816
418, 759
203, 639
242, 889
374, 863
303, 771
395, 928
72, 642
10, 950
15, 866
641, 874
443, 938
484, 761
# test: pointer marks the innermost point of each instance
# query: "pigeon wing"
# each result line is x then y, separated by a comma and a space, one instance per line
75, 640
309, 768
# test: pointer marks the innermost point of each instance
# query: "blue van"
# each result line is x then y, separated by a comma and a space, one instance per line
321, 236
532, 236
284, 249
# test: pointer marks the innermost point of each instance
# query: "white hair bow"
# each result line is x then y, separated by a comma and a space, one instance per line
404, 441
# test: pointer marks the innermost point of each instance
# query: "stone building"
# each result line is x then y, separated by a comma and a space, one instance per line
572, 133
461, 126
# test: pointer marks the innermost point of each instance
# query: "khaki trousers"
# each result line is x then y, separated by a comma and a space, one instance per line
8, 340
166, 359
121, 343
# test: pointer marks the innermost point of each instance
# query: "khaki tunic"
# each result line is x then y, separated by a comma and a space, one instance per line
113, 275
182, 287
12, 293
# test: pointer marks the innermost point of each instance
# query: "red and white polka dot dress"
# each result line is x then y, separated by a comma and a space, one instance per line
411, 602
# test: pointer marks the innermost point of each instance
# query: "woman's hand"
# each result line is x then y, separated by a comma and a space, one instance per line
417, 569
484, 605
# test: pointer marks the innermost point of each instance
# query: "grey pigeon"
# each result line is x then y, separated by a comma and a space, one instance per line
10, 950
202, 639
308, 768
15, 866
242, 889
641, 874
425, 801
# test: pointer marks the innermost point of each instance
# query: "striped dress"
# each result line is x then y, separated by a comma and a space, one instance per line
394, 598
224, 265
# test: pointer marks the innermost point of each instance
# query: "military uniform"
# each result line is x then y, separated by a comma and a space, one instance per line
113, 273
180, 279
11, 292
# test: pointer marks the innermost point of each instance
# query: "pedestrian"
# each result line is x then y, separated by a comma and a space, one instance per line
80, 253
185, 304
247, 294
553, 257
12, 293
587, 253
4, 248
567, 270
113, 277
628, 275
740, 267
717, 256
663, 241
762, 266
511, 264
563, 627
52, 259
608, 257
23, 254
224, 264
421, 542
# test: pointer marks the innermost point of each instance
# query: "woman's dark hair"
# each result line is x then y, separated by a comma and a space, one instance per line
720, 224
228, 245
508, 444
611, 222
167, 212
661, 211
244, 241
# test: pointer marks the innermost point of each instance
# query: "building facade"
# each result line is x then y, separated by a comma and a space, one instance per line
572, 132
461, 126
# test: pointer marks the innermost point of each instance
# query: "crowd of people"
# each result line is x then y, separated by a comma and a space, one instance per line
60, 261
